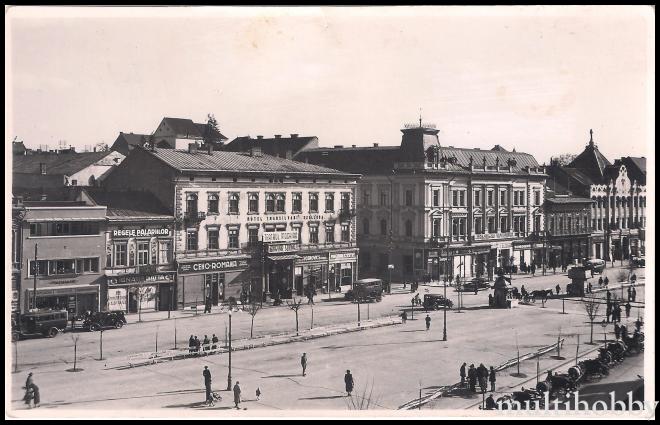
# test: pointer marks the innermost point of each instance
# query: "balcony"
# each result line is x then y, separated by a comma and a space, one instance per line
346, 215
194, 217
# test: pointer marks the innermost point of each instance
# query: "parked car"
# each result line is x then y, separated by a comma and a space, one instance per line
436, 301
46, 322
365, 290
638, 261
478, 282
595, 264
104, 320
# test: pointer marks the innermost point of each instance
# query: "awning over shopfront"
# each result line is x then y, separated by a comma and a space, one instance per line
283, 257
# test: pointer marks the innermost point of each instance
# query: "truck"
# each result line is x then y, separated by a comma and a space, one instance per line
45, 322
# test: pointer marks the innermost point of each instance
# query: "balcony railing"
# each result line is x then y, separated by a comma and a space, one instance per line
194, 216
346, 214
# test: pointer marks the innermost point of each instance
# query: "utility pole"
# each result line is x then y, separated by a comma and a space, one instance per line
36, 271
229, 374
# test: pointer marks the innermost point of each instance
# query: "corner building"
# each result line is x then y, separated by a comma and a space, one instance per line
249, 223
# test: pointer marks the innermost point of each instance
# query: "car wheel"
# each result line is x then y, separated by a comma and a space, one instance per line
118, 325
52, 332
94, 327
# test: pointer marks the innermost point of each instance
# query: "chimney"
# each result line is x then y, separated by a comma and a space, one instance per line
294, 135
260, 137
94, 148
353, 146
209, 148
277, 136
42, 168
375, 145
255, 151
192, 148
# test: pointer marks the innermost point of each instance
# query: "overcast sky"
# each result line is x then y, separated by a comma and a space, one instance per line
536, 79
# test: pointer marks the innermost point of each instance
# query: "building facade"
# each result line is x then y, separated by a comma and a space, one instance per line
434, 211
618, 192
569, 227
249, 224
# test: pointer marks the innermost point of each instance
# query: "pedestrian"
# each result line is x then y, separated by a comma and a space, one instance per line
462, 372
191, 344
237, 394
348, 380
617, 331
472, 378
303, 362
600, 282
428, 322
404, 317
490, 403
28, 389
492, 378
207, 305
198, 344
207, 384
533, 269
558, 289
36, 397
482, 375
554, 269
634, 294
624, 332
206, 342
258, 393
628, 308
617, 311
215, 341
608, 312
606, 281
638, 325
633, 278
629, 293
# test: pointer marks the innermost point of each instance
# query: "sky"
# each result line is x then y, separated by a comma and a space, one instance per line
531, 78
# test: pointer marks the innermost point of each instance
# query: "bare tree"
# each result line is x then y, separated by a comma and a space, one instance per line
591, 306
565, 158
295, 306
142, 293
75, 338
253, 308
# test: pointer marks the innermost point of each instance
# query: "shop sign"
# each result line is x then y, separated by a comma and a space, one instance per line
467, 251
72, 303
312, 259
139, 278
141, 233
117, 299
279, 218
287, 247
213, 265
522, 246
14, 300
340, 256
270, 237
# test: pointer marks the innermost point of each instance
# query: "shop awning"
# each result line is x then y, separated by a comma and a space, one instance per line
283, 257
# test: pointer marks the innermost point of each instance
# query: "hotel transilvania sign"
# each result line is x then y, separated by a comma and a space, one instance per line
205, 266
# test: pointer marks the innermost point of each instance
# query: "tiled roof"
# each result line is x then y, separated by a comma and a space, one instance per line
134, 139
63, 163
236, 162
568, 200
186, 127
463, 155
64, 194
129, 203
277, 146
591, 162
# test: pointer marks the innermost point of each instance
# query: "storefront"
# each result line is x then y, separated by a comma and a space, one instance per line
215, 279
75, 299
342, 269
311, 270
132, 293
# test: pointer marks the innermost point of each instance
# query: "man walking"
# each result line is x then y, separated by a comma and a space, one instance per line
617, 331
215, 341
634, 294
348, 380
428, 322
600, 282
557, 288
237, 395
628, 308
303, 362
492, 378
472, 378
207, 383
191, 344
608, 312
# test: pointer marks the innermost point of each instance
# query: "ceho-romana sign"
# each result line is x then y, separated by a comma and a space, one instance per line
212, 265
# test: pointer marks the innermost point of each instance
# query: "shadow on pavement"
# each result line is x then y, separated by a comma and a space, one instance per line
283, 376
461, 392
323, 398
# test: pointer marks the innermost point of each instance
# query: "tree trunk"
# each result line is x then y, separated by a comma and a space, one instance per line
592, 333
251, 327
296, 322
75, 355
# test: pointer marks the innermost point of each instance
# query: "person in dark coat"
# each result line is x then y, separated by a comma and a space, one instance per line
617, 331
237, 394
36, 397
600, 282
617, 309
472, 378
29, 394
492, 378
303, 362
624, 332
634, 294
191, 344
207, 384
608, 312
482, 375
628, 308
533, 269
463, 373
198, 344
206, 342
348, 380
404, 317
215, 341
428, 322
557, 289
589, 288
606, 281
490, 403
629, 293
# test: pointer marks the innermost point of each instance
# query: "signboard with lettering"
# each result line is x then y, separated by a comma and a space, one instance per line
139, 278
286, 247
205, 266
117, 299
342, 256
141, 233
270, 237
277, 218
316, 258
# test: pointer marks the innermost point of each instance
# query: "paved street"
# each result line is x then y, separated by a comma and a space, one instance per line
391, 360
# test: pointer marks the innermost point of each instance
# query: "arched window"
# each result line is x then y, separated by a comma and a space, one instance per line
383, 227
191, 203
365, 226
409, 229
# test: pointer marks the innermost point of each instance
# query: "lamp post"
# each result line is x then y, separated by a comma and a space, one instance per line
36, 271
444, 310
229, 339
169, 311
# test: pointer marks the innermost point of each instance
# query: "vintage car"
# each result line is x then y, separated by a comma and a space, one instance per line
365, 290
638, 261
595, 264
478, 282
436, 301
104, 320
46, 322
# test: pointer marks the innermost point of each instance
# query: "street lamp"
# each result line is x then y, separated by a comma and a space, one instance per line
170, 306
229, 374
444, 310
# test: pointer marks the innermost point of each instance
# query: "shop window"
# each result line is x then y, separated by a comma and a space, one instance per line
253, 203
213, 204
313, 202
233, 239
143, 253
213, 236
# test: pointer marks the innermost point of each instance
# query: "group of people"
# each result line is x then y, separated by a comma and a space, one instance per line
195, 345
478, 375
211, 396
32, 397
613, 309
